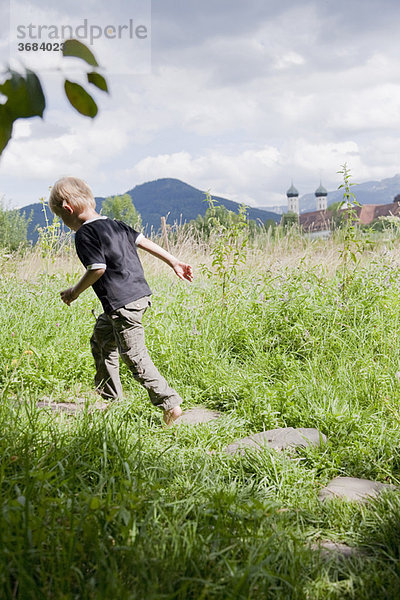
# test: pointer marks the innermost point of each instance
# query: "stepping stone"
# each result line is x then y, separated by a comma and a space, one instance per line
278, 439
327, 548
196, 416
70, 407
352, 488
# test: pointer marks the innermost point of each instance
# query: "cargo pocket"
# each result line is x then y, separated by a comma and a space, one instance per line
140, 304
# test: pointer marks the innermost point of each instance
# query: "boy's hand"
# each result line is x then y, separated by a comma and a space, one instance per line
89, 278
69, 295
183, 271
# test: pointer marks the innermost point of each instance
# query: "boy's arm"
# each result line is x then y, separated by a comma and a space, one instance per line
183, 270
88, 279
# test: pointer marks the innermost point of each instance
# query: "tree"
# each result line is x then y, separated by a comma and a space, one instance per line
13, 228
123, 209
25, 97
270, 224
289, 219
216, 215
336, 214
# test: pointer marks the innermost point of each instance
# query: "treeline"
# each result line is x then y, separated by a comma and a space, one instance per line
14, 224
218, 215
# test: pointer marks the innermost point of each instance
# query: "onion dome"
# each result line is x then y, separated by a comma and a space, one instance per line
292, 192
321, 191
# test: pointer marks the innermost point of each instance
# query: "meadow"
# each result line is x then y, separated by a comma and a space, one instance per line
109, 504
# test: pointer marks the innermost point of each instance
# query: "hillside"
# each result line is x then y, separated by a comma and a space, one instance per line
180, 200
170, 198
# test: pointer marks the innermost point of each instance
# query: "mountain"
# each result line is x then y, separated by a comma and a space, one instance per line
181, 201
369, 192
279, 209
169, 198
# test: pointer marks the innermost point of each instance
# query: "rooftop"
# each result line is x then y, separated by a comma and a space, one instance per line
292, 192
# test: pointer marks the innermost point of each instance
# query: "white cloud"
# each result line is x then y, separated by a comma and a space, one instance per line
326, 157
230, 175
22, 129
376, 108
83, 148
289, 59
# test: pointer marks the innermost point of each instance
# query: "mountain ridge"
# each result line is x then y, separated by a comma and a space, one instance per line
369, 192
165, 197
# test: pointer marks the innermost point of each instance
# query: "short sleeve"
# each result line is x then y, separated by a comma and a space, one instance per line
89, 249
139, 237
133, 235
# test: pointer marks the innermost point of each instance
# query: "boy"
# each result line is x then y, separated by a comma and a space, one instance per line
107, 248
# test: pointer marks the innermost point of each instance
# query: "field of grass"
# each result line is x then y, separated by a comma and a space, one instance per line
106, 505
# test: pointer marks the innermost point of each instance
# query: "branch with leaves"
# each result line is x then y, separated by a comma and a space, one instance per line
354, 243
228, 249
25, 97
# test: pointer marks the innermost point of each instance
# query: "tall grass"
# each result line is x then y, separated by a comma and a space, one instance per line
110, 505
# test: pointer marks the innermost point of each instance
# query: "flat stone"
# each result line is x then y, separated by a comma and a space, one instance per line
352, 488
278, 439
327, 548
70, 407
196, 416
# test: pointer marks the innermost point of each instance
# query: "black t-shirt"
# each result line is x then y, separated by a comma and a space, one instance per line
111, 245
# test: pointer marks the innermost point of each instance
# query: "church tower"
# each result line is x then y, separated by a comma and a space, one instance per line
321, 196
293, 200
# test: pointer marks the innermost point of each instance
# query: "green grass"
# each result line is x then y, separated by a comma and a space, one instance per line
110, 505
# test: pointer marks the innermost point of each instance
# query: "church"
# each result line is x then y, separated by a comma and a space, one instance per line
320, 220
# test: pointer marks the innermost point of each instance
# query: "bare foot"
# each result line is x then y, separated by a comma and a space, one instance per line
172, 415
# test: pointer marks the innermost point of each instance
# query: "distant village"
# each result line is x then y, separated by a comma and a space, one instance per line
320, 220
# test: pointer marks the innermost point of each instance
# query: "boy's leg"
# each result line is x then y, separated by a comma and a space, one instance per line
129, 333
105, 353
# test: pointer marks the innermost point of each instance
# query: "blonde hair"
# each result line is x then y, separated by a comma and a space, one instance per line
72, 190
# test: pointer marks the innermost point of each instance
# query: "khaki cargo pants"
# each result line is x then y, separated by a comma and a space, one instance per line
121, 333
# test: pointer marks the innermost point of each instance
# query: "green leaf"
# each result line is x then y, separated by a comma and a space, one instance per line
6, 125
80, 99
25, 99
94, 503
37, 100
98, 80
25, 96
79, 50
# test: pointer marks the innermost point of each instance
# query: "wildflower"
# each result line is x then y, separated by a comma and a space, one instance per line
57, 324
12, 334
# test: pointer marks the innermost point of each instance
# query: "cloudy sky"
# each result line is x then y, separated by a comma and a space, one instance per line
237, 98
